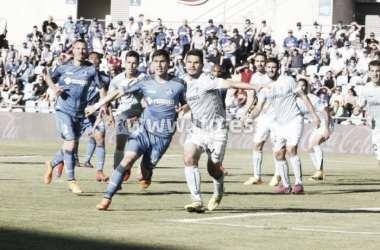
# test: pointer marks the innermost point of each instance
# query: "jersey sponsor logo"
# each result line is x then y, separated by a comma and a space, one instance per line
152, 91
167, 102
192, 98
277, 96
68, 81
374, 103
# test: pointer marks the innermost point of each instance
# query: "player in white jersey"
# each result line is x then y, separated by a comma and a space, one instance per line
129, 108
370, 96
288, 128
264, 126
319, 135
208, 129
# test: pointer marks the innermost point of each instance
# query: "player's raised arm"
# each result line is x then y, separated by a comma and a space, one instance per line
229, 84
109, 98
306, 100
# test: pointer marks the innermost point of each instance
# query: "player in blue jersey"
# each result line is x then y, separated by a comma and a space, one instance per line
154, 130
74, 79
98, 133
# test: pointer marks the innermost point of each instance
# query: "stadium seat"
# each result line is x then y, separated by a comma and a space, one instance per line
358, 89
323, 70
311, 70
341, 80
355, 80
122, 57
4, 95
30, 106
345, 89
104, 65
28, 87
43, 107
39, 70
17, 110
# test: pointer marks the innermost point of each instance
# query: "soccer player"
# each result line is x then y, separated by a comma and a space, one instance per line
319, 135
74, 78
288, 127
97, 134
264, 126
153, 132
130, 108
370, 96
208, 130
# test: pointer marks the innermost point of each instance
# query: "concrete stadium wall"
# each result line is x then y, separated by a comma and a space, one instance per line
41, 127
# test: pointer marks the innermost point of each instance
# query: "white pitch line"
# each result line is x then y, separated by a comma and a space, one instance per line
287, 228
231, 217
20, 156
367, 208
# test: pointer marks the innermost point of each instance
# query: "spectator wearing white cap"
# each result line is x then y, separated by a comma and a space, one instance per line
210, 27
82, 27
347, 52
48, 22
332, 51
68, 25
299, 32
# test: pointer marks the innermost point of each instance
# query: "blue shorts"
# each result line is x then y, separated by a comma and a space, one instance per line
69, 127
152, 147
89, 123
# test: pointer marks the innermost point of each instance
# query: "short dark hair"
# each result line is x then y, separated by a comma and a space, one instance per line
196, 52
134, 54
247, 20
375, 63
161, 52
80, 41
96, 53
272, 60
303, 80
141, 15
261, 54
27, 57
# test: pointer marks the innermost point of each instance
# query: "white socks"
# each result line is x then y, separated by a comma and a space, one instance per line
318, 158
193, 178
257, 160
218, 186
283, 169
296, 165
274, 159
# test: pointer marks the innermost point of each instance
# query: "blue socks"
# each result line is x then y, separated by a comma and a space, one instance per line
115, 181
69, 164
90, 149
58, 158
100, 156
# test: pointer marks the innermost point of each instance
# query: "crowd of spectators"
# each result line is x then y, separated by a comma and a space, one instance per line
329, 64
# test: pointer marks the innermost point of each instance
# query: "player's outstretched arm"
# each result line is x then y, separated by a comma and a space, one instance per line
109, 98
229, 84
306, 100
255, 113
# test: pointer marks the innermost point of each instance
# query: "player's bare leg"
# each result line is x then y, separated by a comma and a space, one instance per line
316, 154
144, 176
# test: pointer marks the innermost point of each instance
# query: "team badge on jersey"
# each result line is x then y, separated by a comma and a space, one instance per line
169, 92
67, 80
84, 73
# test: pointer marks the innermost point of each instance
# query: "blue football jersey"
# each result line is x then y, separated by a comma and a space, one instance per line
159, 116
75, 81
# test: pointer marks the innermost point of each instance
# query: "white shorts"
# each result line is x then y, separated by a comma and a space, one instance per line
288, 135
213, 143
321, 131
264, 128
376, 144
122, 125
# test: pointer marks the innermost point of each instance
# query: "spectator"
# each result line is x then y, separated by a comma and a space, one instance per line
59, 32
48, 37
328, 80
290, 42
179, 67
2, 76
2, 60
265, 32
40, 90
136, 41
36, 34
339, 30
47, 56
325, 59
184, 29
304, 45
82, 27
299, 32
249, 33
99, 26
110, 32
362, 66
211, 38
186, 40
159, 24
342, 40
295, 62
351, 67
12, 66
24, 51
356, 42
57, 41
246, 73
359, 50
283, 59
97, 45
207, 65
330, 40
171, 40
140, 23
29, 42
115, 62
12, 50
337, 65
198, 41
148, 26
160, 37
229, 53
216, 57
316, 84
347, 52
356, 118
25, 71
121, 40
223, 38
73, 35
131, 27
324, 100
333, 50
15, 96
238, 40
317, 28
48, 22
3, 31
337, 112
68, 25
351, 100
337, 96
370, 42
210, 27
8, 81
213, 45
95, 32
353, 31
178, 49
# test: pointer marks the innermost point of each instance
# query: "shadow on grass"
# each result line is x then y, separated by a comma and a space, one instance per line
22, 239
22, 163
